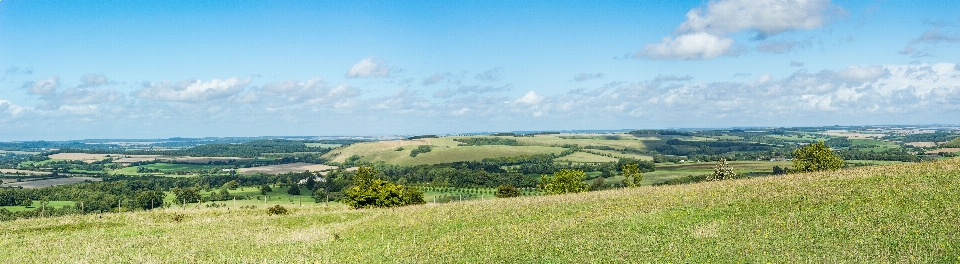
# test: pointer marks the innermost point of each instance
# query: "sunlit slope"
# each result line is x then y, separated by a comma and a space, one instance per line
894, 213
443, 150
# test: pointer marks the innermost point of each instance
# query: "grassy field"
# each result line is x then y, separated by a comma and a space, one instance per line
36, 206
894, 213
666, 172
165, 167
583, 157
444, 150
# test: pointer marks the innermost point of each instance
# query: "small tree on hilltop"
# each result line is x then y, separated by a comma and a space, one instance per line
722, 171
816, 157
506, 190
369, 191
631, 174
563, 181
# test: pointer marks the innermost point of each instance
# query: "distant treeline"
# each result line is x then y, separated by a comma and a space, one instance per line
481, 141
250, 149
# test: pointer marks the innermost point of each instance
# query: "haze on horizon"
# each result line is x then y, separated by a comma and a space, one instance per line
159, 69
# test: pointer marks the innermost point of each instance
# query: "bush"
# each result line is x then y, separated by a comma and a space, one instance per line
265, 189
563, 181
368, 191
816, 157
420, 149
722, 171
506, 191
294, 189
277, 210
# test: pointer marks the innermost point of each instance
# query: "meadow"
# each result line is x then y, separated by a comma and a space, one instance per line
890, 213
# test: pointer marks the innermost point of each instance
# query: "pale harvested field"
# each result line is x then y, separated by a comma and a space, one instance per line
851, 135
951, 150
121, 158
284, 168
85, 157
922, 144
50, 182
14, 171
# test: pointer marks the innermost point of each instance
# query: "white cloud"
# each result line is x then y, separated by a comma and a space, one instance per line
862, 74
489, 75
369, 67
43, 87
8, 109
470, 89
693, 46
93, 80
530, 98
796, 64
314, 91
87, 96
928, 42
192, 90
704, 35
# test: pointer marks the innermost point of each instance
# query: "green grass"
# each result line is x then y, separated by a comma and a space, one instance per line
667, 172
444, 150
583, 157
895, 213
36, 206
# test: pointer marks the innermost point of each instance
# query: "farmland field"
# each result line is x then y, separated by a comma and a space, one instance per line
36, 206
284, 168
583, 157
50, 182
894, 213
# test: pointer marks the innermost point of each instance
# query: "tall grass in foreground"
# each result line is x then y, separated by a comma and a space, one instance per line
895, 213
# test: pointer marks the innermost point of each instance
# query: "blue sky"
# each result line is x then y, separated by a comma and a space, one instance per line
143, 69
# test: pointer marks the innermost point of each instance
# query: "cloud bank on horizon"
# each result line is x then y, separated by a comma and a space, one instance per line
725, 63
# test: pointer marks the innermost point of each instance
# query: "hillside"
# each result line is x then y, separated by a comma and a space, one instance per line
892, 213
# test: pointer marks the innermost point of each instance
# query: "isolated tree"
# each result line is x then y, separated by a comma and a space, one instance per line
631, 174
816, 157
506, 190
369, 191
26, 202
563, 181
294, 189
722, 171
265, 189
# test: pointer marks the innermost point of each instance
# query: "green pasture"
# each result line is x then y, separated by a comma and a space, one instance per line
166, 167
36, 206
904, 213
584, 157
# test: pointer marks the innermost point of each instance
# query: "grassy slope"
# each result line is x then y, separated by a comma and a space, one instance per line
895, 213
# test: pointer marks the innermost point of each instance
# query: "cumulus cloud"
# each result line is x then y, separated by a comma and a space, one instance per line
489, 75
369, 67
192, 90
861, 74
531, 98
93, 80
313, 91
435, 78
43, 87
10, 110
470, 89
87, 96
587, 76
704, 35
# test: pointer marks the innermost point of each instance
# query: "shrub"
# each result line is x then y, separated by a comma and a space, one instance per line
294, 189
722, 171
368, 191
506, 190
265, 189
816, 157
277, 210
563, 181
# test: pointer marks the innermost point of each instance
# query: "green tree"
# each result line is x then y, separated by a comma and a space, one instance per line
26, 202
722, 171
294, 189
631, 174
563, 181
149, 199
232, 185
265, 189
816, 157
370, 191
598, 184
188, 195
506, 190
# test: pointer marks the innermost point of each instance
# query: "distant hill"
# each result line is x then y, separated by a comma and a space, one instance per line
894, 213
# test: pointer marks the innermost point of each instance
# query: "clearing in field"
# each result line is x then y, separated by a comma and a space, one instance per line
284, 168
